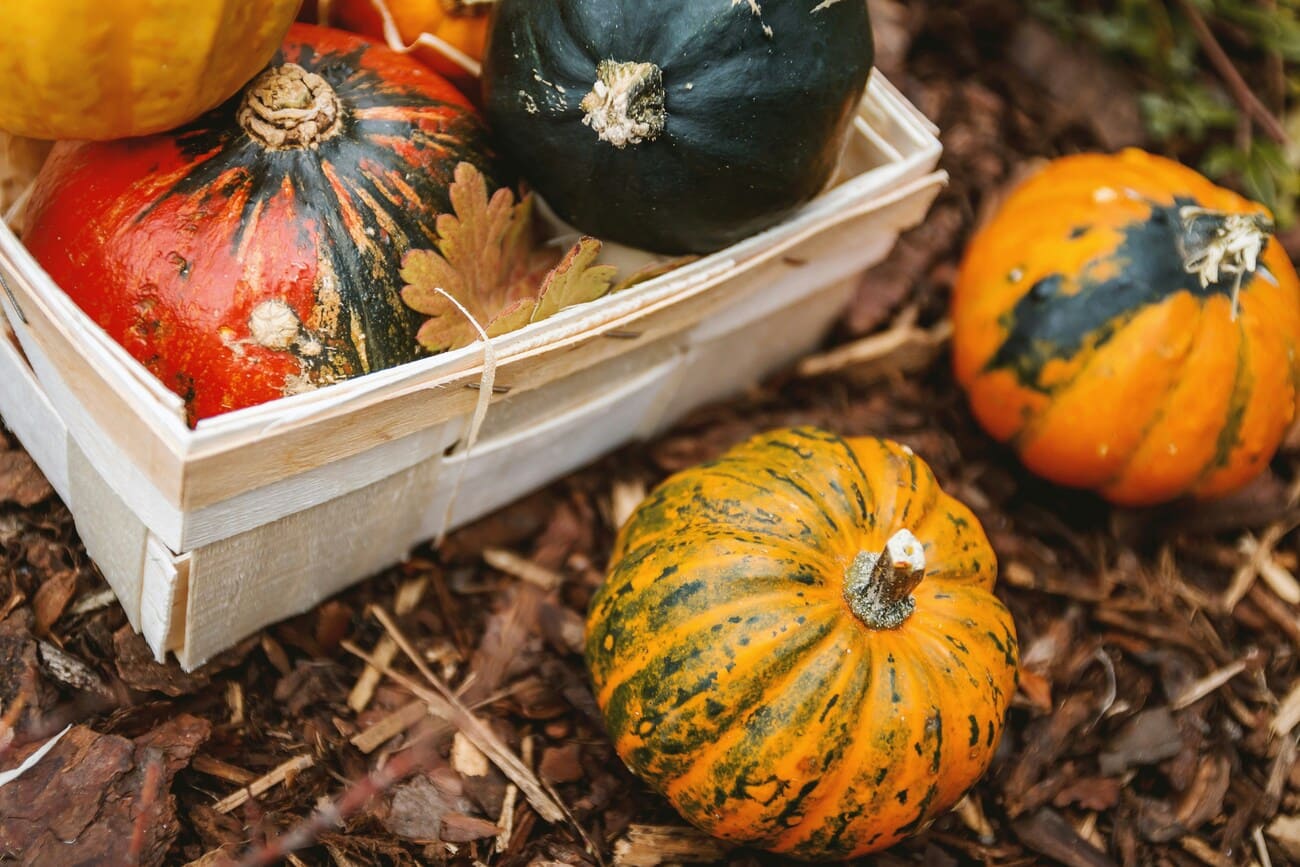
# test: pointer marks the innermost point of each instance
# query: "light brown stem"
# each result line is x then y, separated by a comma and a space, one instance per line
287, 107
878, 587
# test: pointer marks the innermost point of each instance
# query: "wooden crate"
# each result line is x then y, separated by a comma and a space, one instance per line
208, 534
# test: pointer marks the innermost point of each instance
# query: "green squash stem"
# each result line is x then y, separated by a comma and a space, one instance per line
626, 103
878, 587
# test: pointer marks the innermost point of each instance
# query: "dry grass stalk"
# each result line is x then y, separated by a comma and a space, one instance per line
902, 348
1208, 684
444, 704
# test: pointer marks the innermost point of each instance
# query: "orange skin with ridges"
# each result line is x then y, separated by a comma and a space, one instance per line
736, 679
464, 32
1169, 398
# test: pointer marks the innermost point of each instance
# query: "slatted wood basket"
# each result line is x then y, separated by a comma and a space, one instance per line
208, 534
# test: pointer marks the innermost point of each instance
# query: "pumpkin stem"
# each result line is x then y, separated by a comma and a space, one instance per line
1215, 245
879, 587
287, 107
626, 104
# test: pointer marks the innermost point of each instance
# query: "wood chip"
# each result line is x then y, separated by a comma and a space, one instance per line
409, 595
1285, 831
1288, 713
94, 602
223, 770
507, 820
653, 845
363, 690
1205, 852
235, 701
467, 759
522, 568
52, 599
264, 783
68, 669
1208, 684
1047, 833
460, 828
390, 727
624, 497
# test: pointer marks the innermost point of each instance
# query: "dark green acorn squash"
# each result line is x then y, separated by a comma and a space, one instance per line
679, 126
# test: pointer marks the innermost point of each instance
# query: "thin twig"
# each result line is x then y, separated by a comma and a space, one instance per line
333, 813
1241, 91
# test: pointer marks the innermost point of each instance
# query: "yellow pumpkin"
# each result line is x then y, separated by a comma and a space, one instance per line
77, 69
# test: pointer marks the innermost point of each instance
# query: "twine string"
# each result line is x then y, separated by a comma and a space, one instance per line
486, 383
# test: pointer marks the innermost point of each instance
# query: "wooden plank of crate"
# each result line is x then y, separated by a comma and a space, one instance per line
240, 584
272, 502
113, 535
30, 415
163, 592
537, 452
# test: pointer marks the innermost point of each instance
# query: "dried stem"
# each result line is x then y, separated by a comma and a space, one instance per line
1241, 91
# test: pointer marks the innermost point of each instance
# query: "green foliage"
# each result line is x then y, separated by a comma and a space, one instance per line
1187, 110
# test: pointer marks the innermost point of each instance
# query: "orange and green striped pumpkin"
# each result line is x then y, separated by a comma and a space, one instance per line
1129, 327
798, 645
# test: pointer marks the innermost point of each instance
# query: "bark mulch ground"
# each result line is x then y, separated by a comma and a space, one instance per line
1156, 721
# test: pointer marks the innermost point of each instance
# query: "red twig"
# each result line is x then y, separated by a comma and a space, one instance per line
148, 797
398, 768
1241, 91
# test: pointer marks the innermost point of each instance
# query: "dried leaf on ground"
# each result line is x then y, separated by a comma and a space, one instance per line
1150, 737
21, 481
416, 808
52, 599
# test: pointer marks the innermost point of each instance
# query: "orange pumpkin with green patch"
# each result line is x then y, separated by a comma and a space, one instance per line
1129, 327
798, 645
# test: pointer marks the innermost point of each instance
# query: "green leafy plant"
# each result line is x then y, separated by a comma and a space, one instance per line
1188, 109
